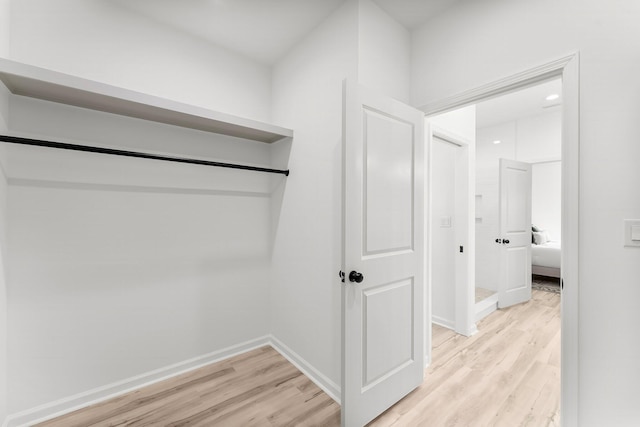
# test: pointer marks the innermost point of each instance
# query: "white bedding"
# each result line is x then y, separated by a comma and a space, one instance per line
546, 255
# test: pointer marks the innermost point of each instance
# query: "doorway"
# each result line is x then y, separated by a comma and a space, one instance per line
565, 69
451, 225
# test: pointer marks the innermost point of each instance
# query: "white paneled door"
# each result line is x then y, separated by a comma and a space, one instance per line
515, 233
383, 290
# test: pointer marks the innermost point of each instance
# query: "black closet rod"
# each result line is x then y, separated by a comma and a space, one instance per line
125, 153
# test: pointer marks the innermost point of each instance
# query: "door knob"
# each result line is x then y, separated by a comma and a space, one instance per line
505, 241
354, 276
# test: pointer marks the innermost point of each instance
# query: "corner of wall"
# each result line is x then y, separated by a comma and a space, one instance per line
122, 47
384, 52
307, 97
4, 107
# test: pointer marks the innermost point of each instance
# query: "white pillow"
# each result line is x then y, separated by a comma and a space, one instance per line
540, 237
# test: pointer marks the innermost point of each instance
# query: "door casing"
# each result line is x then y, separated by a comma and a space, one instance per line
464, 218
568, 69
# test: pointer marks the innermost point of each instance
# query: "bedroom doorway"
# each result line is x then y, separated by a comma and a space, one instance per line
518, 208
564, 72
515, 216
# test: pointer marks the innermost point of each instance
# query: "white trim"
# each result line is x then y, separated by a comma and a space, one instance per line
448, 136
549, 160
449, 324
319, 379
486, 307
81, 400
570, 356
567, 67
426, 243
500, 87
69, 404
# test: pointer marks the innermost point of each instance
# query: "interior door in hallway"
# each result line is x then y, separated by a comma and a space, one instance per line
515, 233
383, 290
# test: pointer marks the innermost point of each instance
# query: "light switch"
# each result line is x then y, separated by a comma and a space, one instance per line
632, 232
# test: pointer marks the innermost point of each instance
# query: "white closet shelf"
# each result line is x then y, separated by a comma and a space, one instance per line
35, 82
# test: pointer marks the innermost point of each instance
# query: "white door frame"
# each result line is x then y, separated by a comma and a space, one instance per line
464, 235
567, 68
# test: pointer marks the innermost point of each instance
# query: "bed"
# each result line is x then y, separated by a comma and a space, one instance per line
545, 259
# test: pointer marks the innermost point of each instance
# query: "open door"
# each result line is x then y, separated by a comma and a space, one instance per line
515, 233
383, 291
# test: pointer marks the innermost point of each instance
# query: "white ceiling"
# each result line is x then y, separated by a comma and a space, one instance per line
523, 103
412, 13
265, 30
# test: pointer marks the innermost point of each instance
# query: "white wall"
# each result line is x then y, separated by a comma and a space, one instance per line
528, 139
384, 52
531, 139
121, 266
5, 21
103, 41
466, 47
539, 138
307, 94
488, 198
89, 246
4, 116
546, 198
307, 254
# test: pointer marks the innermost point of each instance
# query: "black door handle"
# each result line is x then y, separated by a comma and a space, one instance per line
354, 276
505, 241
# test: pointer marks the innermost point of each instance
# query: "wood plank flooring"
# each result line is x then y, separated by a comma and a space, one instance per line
482, 294
257, 388
508, 374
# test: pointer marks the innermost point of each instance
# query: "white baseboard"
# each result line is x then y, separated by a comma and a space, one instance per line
328, 386
90, 397
445, 323
63, 406
486, 307
469, 331
450, 324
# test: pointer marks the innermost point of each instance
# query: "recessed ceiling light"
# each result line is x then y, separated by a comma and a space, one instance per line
552, 97
497, 141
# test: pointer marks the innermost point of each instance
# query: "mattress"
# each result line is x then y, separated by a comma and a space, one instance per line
546, 255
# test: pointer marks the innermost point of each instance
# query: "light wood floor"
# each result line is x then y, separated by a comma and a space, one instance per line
508, 374
258, 388
482, 294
